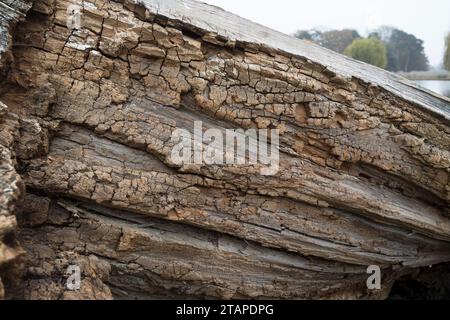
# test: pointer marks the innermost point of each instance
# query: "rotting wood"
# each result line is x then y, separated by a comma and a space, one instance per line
87, 116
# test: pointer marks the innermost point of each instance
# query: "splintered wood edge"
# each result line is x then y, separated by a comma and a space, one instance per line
213, 19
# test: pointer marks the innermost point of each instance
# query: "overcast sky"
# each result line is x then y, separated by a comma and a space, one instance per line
428, 20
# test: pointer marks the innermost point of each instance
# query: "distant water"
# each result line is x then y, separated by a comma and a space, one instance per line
439, 86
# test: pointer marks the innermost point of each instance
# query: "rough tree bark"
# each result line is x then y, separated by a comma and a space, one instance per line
87, 117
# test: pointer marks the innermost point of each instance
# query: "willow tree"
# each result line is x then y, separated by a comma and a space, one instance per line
371, 50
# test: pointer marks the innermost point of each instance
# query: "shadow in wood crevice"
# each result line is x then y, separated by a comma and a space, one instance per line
431, 283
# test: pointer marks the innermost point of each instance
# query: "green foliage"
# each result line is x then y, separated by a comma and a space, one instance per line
447, 53
407, 52
370, 50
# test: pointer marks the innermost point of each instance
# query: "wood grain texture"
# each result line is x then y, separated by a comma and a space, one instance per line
364, 159
11, 186
236, 29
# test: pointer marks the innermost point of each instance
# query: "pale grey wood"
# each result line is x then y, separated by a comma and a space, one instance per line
214, 19
110, 194
10, 11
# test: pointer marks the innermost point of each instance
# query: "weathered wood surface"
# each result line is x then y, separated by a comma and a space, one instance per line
11, 187
11, 11
364, 163
233, 28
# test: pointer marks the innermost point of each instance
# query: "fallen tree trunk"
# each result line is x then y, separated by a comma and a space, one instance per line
89, 112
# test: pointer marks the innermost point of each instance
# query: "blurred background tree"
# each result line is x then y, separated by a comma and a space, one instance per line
447, 53
370, 50
310, 35
404, 52
336, 40
339, 40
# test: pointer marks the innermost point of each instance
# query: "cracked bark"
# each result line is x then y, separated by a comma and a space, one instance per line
87, 116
